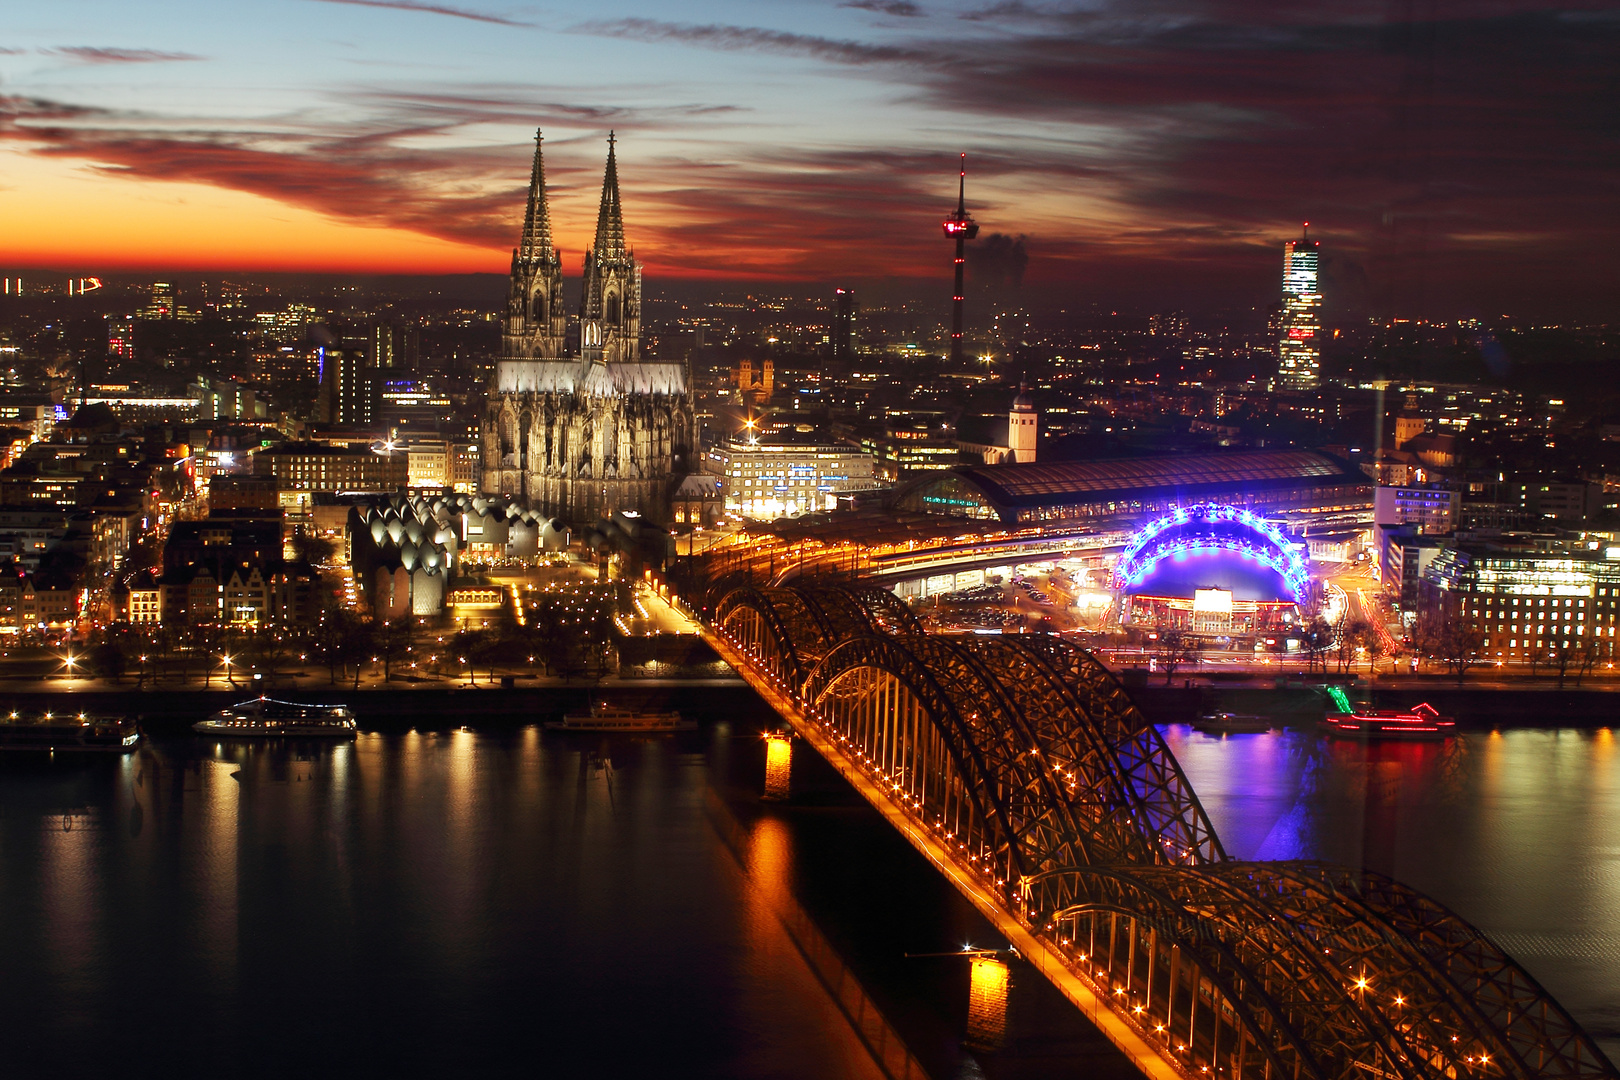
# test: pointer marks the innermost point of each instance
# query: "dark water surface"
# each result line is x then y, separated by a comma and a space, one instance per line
1518, 831
500, 900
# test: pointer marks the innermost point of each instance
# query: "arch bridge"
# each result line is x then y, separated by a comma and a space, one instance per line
1022, 769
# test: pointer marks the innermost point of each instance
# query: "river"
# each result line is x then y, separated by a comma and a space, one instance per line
483, 898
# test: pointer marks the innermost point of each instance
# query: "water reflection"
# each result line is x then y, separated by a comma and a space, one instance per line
450, 902
1518, 831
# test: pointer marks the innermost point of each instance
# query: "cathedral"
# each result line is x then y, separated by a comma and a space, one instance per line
580, 434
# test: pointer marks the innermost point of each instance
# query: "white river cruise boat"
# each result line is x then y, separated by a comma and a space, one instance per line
265, 717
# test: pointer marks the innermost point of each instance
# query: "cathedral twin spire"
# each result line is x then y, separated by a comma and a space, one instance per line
536, 244
610, 306
609, 218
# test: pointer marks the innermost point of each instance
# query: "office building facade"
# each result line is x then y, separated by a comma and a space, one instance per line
1299, 350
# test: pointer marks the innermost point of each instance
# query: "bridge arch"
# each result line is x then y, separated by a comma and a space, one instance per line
1210, 527
752, 621
1020, 762
897, 713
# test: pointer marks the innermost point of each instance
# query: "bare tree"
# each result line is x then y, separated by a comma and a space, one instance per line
1173, 649
1373, 642
1590, 653
1448, 637
1316, 637
1353, 634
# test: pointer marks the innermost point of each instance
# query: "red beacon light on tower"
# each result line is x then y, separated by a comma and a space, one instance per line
960, 225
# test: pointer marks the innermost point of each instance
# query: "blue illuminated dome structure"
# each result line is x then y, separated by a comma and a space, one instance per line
1212, 567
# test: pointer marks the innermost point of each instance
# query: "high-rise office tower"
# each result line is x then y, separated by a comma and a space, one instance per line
1299, 350
348, 388
395, 347
843, 327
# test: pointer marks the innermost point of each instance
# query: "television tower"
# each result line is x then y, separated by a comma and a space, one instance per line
961, 227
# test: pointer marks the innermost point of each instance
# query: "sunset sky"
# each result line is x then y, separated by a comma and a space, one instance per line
1455, 158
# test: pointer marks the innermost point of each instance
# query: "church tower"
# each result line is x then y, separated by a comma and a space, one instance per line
610, 309
535, 319
583, 435
1021, 426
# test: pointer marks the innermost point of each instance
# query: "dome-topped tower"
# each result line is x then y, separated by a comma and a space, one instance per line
1022, 426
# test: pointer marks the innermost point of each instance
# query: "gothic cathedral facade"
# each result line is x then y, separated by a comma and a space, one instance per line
581, 436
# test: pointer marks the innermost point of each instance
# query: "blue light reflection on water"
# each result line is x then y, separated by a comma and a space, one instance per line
1518, 831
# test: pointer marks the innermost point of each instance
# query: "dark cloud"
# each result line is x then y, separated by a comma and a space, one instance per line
902, 9
1009, 10
1456, 159
431, 9
998, 260
87, 54
753, 39
377, 174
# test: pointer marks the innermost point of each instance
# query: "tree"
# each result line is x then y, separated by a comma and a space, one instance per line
1449, 637
1316, 638
107, 659
1353, 634
392, 639
1173, 649
474, 647
271, 649
1373, 642
315, 550
1591, 653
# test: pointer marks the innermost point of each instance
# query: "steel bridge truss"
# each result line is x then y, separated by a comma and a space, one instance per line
1024, 760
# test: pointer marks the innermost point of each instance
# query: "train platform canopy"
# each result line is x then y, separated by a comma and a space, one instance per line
1042, 493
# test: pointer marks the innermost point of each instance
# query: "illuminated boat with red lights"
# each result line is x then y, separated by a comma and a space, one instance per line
1423, 722
605, 717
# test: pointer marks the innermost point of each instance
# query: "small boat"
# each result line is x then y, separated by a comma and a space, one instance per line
1423, 722
1231, 723
605, 717
265, 717
74, 733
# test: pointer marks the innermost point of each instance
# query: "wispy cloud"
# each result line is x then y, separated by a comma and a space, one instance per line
902, 9
754, 39
88, 54
431, 9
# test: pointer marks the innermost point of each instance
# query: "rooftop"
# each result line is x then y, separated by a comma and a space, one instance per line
1043, 483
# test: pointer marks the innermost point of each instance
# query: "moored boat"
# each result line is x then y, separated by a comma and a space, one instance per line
265, 717
71, 733
1229, 723
1423, 722
605, 717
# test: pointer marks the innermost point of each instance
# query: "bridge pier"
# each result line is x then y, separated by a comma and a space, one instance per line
778, 765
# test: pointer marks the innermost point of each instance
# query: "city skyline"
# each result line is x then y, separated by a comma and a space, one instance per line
1135, 152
